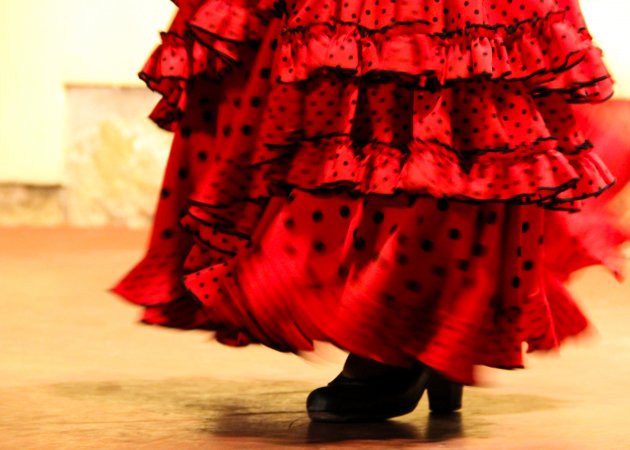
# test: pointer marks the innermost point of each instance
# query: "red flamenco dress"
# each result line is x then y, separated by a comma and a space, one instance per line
390, 176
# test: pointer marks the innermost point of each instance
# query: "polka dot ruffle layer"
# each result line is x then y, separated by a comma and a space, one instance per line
371, 173
383, 99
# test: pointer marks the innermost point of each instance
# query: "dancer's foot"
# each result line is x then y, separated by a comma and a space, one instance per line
369, 391
359, 368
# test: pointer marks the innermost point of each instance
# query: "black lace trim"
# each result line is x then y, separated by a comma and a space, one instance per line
284, 189
259, 200
197, 236
220, 227
467, 30
347, 187
469, 154
201, 30
355, 142
167, 119
571, 94
144, 76
404, 148
432, 83
559, 201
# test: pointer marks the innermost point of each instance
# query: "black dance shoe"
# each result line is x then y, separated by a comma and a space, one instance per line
445, 396
377, 399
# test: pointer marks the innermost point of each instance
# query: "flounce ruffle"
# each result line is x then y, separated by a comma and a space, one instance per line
206, 38
477, 140
535, 50
252, 299
549, 177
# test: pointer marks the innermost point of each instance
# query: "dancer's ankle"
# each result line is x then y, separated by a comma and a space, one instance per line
357, 367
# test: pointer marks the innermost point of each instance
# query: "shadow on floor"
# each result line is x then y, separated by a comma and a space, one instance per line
272, 411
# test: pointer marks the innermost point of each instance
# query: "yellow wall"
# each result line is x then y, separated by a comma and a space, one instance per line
107, 42
31, 94
607, 21
45, 44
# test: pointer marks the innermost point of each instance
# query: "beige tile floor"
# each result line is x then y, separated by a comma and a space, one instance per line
77, 373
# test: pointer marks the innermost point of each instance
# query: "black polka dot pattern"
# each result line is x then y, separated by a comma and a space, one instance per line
476, 139
437, 112
411, 288
301, 129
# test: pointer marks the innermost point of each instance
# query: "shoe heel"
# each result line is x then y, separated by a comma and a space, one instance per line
445, 396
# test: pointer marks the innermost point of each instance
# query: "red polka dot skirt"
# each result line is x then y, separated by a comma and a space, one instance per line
394, 177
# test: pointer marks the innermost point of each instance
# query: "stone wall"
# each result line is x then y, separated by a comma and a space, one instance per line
115, 158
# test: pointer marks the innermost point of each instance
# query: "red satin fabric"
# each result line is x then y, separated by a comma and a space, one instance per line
377, 176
